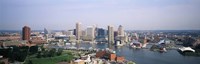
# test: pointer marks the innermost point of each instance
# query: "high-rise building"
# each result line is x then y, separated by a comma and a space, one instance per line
78, 30
70, 32
110, 36
83, 33
26, 33
115, 34
101, 33
46, 31
120, 31
74, 32
119, 35
90, 32
46, 34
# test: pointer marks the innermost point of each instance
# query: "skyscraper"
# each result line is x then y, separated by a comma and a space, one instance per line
120, 31
90, 32
46, 31
101, 33
78, 30
110, 36
26, 32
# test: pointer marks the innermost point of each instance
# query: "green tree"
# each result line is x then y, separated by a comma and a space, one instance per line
59, 52
33, 49
52, 52
39, 55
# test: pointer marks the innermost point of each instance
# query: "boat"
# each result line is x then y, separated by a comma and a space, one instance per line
162, 50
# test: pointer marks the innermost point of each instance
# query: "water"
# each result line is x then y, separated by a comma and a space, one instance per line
145, 56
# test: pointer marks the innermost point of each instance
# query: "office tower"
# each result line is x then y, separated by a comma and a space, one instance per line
78, 30
95, 30
101, 33
83, 33
115, 34
46, 34
26, 32
120, 31
110, 36
46, 31
90, 32
70, 32
74, 32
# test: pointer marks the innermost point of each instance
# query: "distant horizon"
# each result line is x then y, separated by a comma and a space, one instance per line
131, 14
106, 29
115, 28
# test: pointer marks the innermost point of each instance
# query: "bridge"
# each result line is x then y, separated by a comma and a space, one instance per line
184, 49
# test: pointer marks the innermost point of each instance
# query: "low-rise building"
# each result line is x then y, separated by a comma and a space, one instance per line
100, 54
120, 59
79, 61
112, 57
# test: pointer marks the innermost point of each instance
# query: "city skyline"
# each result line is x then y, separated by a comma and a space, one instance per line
131, 14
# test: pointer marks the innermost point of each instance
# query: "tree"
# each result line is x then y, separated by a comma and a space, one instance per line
33, 49
188, 41
52, 52
45, 53
39, 55
59, 52
22, 53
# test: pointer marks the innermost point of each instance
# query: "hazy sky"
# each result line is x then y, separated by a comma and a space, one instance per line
131, 14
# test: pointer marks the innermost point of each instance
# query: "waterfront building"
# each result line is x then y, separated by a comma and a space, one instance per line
110, 36
101, 33
78, 30
70, 32
74, 32
119, 36
90, 33
120, 59
115, 34
120, 31
26, 32
112, 57
83, 33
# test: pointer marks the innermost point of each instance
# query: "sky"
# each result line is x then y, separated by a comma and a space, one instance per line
131, 14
